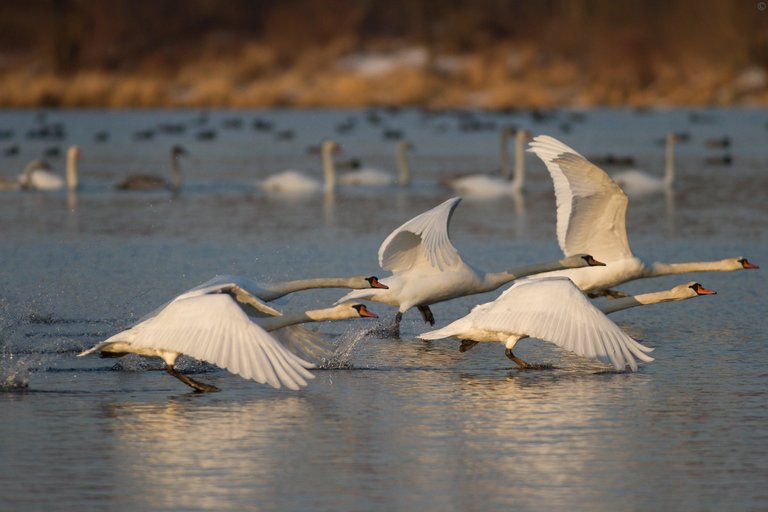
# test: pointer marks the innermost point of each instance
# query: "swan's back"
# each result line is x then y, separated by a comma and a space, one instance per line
290, 181
480, 186
636, 182
367, 177
41, 179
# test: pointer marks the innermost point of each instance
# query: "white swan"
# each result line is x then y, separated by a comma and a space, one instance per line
378, 178
591, 218
210, 323
552, 309
638, 183
37, 174
486, 185
427, 269
151, 182
295, 182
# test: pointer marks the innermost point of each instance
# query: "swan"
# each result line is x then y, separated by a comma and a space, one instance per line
427, 269
378, 178
486, 185
37, 174
150, 182
296, 182
591, 218
226, 326
552, 309
678, 293
639, 183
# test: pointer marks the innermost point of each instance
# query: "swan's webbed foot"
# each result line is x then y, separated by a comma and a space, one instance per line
199, 387
524, 365
611, 294
466, 345
426, 314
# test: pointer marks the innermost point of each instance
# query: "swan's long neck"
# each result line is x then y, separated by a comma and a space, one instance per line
329, 173
669, 164
272, 323
644, 299
175, 173
318, 315
503, 153
519, 177
276, 290
665, 269
403, 172
71, 170
493, 280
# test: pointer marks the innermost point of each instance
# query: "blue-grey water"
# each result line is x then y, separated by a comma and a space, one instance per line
397, 424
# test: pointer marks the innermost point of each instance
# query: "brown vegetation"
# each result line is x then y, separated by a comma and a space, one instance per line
483, 53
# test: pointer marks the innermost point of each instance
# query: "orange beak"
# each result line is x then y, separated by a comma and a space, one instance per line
747, 264
365, 313
376, 284
705, 291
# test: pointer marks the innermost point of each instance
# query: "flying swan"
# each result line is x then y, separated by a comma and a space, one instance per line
427, 269
551, 309
591, 218
210, 323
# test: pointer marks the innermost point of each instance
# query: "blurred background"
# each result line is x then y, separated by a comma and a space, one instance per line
352, 53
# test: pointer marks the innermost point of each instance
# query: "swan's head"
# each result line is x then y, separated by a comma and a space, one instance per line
330, 147
689, 290
581, 260
403, 146
73, 153
373, 282
346, 310
744, 263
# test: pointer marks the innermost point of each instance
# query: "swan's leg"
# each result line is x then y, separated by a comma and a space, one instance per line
200, 387
426, 314
522, 364
468, 344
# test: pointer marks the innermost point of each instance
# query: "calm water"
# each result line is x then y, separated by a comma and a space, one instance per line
401, 424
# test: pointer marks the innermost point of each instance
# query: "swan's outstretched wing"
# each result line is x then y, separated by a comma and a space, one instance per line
423, 240
591, 208
553, 309
214, 328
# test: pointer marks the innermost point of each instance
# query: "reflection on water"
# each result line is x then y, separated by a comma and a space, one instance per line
387, 424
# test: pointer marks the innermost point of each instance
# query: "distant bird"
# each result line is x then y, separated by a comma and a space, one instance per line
216, 328
552, 309
206, 134
101, 136
638, 183
427, 269
150, 182
718, 142
146, 134
285, 134
367, 176
725, 159
485, 185
38, 174
11, 150
591, 218
295, 182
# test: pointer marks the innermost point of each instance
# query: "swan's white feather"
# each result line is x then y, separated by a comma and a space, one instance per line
552, 309
422, 241
591, 208
291, 182
214, 328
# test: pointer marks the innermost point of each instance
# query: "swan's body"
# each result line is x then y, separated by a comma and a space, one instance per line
487, 185
296, 182
427, 269
8, 184
591, 218
225, 325
637, 183
37, 174
378, 178
151, 182
552, 309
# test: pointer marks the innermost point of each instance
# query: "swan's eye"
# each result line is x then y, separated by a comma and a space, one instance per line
695, 287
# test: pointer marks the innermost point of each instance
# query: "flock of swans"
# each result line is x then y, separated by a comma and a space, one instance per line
229, 321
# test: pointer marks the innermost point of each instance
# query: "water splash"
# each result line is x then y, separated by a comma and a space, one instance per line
14, 371
341, 357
